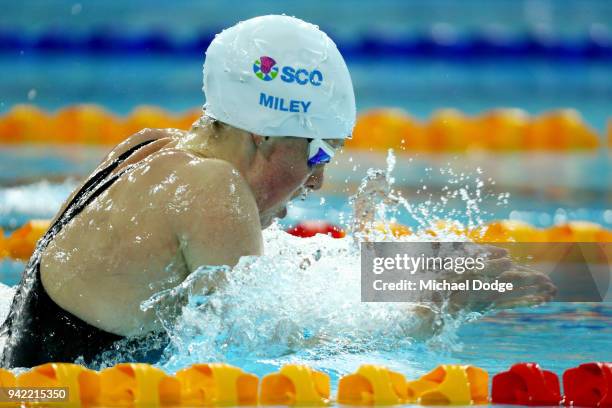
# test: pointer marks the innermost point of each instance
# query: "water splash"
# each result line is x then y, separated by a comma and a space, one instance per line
455, 206
313, 308
301, 300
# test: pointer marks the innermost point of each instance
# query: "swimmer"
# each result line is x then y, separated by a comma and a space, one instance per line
279, 103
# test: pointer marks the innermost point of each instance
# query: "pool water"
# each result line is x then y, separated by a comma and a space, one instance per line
543, 190
557, 336
418, 86
313, 314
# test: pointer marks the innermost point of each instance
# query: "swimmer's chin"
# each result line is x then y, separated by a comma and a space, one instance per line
267, 220
266, 223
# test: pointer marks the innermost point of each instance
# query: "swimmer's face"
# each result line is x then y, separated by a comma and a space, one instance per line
286, 176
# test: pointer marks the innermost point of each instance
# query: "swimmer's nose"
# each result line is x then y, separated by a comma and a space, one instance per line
315, 181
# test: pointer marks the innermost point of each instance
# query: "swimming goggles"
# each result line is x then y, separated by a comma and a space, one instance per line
319, 152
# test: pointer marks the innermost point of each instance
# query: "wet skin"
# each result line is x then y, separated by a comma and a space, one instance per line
176, 210
170, 213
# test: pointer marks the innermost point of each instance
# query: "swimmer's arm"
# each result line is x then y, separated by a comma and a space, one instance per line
222, 223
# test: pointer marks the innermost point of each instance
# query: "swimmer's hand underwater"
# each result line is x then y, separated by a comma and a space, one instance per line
530, 287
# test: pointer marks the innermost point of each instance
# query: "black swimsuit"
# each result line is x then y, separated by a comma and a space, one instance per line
37, 330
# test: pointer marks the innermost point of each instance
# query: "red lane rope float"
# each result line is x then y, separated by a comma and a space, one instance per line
495, 231
218, 384
307, 229
588, 385
574, 242
448, 130
21, 243
526, 384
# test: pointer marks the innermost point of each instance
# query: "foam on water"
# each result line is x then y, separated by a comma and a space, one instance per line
301, 300
6, 298
6, 295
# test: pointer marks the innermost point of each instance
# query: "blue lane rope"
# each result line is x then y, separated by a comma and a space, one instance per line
477, 45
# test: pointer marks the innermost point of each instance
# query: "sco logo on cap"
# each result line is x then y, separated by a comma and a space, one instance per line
265, 69
302, 76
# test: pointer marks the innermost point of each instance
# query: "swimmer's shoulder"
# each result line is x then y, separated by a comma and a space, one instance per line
217, 180
214, 183
215, 215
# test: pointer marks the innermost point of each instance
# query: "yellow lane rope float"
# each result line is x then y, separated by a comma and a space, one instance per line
21, 243
217, 384
84, 124
295, 385
448, 130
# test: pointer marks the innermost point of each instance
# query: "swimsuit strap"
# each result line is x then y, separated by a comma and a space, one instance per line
89, 191
33, 313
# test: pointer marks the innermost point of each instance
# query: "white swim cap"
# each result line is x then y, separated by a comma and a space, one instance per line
279, 76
